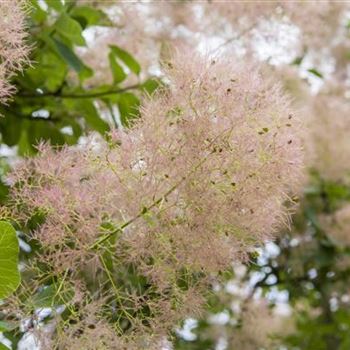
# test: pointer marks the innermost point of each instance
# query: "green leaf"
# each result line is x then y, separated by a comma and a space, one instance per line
3, 347
298, 60
7, 326
150, 85
70, 29
4, 191
43, 130
128, 60
51, 296
10, 128
86, 109
128, 105
315, 72
9, 249
55, 4
117, 71
73, 60
36, 12
92, 117
69, 56
24, 146
49, 72
89, 16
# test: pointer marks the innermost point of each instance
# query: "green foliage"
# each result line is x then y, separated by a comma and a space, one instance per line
73, 61
117, 71
128, 107
311, 267
9, 274
55, 102
51, 296
70, 29
89, 16
6, 326
315, 72
127, 59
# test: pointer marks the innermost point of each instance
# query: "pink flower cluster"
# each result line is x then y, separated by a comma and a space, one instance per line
202, 178
13, 50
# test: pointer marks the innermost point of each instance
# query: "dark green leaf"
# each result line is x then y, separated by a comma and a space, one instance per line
24, 146
298, 61
89, 16
42, 130
150, 85
10, 128
48, 74
85, 108
315, 72
117, 71
73, 60
128, 105
36, 12
128, 60
70, 29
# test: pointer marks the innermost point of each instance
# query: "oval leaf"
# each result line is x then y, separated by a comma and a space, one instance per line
128, 60
117, 71
9, 249
70, 29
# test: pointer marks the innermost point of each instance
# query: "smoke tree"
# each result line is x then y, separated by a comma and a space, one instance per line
13, 49
158, 150
200, 179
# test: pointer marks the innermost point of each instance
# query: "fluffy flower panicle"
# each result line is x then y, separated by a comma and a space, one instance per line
196, 183
13, 50
327, 145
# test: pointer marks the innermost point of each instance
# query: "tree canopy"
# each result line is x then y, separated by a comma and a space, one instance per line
174, 175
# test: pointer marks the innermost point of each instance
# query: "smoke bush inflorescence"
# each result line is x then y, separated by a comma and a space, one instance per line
203, 177
13, 50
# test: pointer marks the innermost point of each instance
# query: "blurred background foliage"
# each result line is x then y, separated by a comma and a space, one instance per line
53, 102
306, 267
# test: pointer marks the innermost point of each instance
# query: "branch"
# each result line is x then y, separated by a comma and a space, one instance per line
236, 37
86, 95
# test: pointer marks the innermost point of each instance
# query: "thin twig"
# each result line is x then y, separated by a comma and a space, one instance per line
85, 95
158, 200
235, 38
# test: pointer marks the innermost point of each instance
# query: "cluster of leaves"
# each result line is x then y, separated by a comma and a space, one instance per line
316, 272
53, 101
